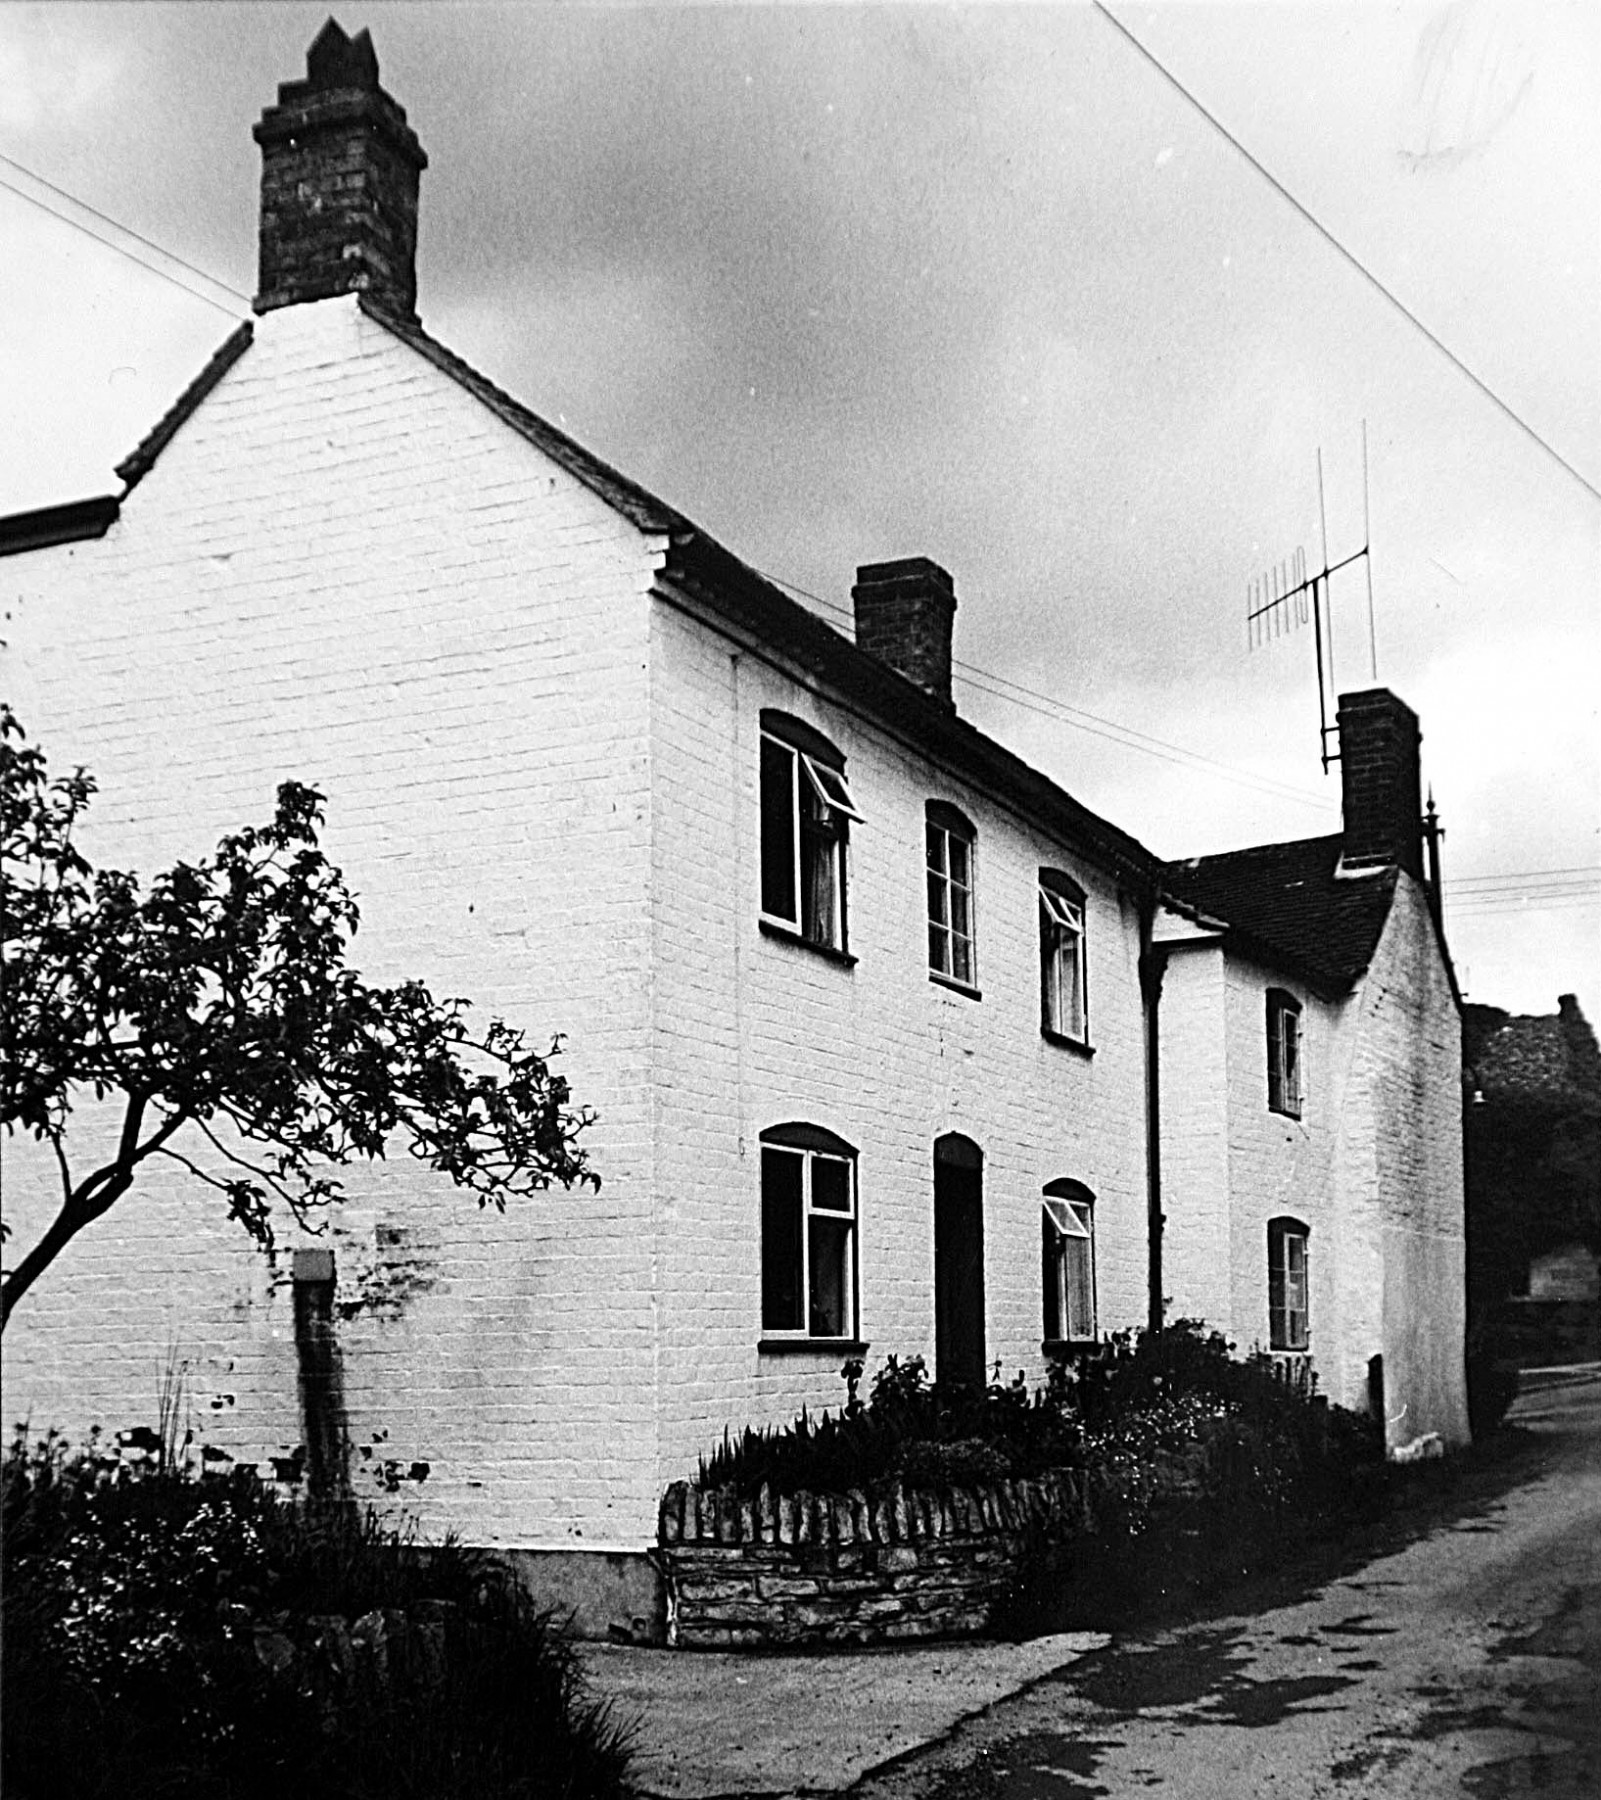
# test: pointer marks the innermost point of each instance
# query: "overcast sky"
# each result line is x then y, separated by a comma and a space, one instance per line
979, 284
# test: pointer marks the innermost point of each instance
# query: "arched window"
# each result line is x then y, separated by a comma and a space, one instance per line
1283, 1053
1288, 1288
806, 813
808, 1233
950, 836
1064, 985
1067, 1261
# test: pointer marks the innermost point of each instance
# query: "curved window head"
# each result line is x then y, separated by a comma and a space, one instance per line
1064, 987
1288, 1285
1067, 1261
808, 1233
1283, 1053
806, 812
949, 837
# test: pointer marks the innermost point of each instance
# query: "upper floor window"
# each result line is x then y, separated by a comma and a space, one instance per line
1064, 1007
1067, 1248
806, 810
1288, 1294
1283, 1053
808, 1233
950, 837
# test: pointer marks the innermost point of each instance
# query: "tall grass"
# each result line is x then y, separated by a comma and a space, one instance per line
133, 1604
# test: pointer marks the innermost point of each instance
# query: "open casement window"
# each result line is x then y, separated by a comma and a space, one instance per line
950, 836
1067, 1254
1288, 1294
1283, 1053
806, 813
808, 1234
1064, 991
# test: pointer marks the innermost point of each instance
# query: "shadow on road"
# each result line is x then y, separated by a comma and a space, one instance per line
1462, 1494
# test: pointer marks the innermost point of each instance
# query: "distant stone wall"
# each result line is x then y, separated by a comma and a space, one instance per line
784, 1570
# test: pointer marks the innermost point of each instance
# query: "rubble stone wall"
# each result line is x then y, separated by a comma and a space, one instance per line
853, 1568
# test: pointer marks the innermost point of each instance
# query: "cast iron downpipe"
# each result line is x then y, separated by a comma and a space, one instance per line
1153, 966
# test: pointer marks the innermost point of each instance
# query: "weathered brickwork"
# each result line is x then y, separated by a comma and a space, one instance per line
751, 1032
1372, 1166
345, 570
781, 1571
1408, 1078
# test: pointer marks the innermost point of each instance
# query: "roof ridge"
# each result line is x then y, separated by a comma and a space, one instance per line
637, 503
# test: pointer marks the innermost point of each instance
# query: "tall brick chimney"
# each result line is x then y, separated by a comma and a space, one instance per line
1381, 792
339, 174
904, 613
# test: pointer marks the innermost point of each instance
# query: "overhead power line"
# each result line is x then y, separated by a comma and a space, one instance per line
1350, 256
111, 244
1002, 687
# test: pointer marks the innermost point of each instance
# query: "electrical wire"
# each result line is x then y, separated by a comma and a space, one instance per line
1032, 700
121, 249
1356, 263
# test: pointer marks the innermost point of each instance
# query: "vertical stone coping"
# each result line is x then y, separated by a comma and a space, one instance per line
782, 1570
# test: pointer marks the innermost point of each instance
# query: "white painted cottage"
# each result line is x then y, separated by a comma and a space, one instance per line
894, 1045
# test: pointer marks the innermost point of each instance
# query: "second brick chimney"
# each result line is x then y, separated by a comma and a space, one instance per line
904, 613
1380, 782
339, 174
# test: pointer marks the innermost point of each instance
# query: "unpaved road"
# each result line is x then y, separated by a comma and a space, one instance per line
1466, 1663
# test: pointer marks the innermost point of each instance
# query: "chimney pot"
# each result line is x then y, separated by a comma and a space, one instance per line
339, 175
904, 613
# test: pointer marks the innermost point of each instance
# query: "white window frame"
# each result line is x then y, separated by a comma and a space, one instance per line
1289, 1289
943, 881
1286, 1088
829, 790
1070, 1218
809, 1157
1063, 959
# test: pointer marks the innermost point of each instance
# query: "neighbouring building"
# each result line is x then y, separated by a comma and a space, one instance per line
1533, 1144
895, 1046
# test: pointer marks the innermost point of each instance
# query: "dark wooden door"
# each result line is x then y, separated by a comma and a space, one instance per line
958, 1262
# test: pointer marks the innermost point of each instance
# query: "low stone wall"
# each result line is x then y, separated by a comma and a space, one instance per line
849, 1568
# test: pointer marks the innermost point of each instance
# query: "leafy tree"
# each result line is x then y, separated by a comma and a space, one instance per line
218, 1012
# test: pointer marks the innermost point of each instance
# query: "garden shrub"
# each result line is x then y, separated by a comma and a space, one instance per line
909, 1430
1195, 1461
132, 1605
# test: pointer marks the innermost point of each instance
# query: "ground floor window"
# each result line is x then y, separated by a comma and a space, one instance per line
1067, 1249
808, 1233
1288, 1295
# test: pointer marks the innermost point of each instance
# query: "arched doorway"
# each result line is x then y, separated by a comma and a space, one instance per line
958, 1261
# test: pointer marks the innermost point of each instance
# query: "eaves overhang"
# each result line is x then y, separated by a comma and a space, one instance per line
75, 521
760, 612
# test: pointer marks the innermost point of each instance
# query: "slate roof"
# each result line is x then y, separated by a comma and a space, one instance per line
1285, 904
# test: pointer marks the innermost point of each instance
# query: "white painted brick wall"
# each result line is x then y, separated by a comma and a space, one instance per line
1410, 1095
1196, 1255
1372, 1166
751, 1032
345, 570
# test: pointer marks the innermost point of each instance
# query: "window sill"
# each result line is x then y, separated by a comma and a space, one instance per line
956, 987
1284, 1112
817, 1346
785, 935
1061, 1349
1079, 1046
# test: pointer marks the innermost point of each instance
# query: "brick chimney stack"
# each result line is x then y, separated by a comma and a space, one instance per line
904, 613
1380, 782
339, 174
